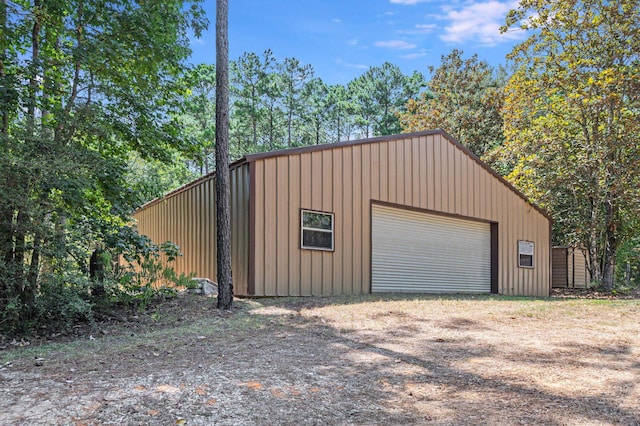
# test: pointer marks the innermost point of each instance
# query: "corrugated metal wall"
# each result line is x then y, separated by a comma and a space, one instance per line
570, 268
560, 277
187, 217
427, 172
240, 190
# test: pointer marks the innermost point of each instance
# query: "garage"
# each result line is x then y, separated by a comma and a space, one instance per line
420, 252
415, 212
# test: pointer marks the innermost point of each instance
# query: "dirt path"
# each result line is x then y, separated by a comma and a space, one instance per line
414, 360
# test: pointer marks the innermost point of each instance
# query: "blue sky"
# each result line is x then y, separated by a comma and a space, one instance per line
343, 38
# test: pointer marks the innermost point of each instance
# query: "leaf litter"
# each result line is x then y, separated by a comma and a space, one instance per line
362, 360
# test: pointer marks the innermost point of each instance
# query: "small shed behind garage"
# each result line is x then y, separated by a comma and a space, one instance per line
570, 268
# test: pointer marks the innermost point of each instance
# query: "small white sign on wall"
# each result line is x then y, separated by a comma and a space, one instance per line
525, 247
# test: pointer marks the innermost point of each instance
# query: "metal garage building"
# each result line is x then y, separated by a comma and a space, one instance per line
405, 213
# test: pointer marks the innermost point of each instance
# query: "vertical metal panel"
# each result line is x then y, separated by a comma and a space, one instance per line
240, 181
460, 191
431, 173
423, 170
339, 226
348, 219
580, 270
259, 239
270, 224
327, 206
294, 223
375, 171
415, 172
365, 234
316, 204
465, 190
305, 202
437, 174
384, 171
401, 166
356, 224
282, 226
393, 176
445, 181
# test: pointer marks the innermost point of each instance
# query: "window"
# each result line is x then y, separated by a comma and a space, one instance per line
525, 254
317, 230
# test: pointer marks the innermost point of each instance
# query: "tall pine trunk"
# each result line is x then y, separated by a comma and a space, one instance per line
223, 203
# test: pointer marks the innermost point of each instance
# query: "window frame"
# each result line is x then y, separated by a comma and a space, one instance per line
308, 228
531, 244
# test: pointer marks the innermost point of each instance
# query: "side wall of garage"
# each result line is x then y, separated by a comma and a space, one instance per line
187, 217
426, 171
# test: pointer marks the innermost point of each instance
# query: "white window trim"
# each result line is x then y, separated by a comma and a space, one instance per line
305, 228
532, 254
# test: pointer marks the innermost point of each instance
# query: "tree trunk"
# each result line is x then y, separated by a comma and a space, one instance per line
223, 204
611, 245
34, 267
627, 274
594, 255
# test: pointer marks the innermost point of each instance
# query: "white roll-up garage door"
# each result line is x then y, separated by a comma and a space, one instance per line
425, 253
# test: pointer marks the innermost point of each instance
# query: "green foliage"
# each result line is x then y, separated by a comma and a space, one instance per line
146, 273
198, 116
572, 121
61, 301
379, 95
278, 104
86, 86
464, 98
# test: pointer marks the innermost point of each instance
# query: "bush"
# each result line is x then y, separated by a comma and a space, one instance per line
66, 295
60, 302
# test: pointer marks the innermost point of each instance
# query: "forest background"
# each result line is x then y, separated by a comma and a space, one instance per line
100, 112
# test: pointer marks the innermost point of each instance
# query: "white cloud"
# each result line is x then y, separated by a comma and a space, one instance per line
352, 42
349, 65
336, 20
408, 1
420, 29
395, 44
478, 21
416, 55
358, 66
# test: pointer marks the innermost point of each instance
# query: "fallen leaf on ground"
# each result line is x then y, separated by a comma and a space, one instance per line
255, 385
294, 391
278, 393
167, 389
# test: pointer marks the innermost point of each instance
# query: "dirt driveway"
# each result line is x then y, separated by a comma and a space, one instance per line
366, 360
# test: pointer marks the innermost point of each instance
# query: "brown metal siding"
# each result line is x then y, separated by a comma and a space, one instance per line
569, 268
560, 277
240, 213
421, 171
187, 217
